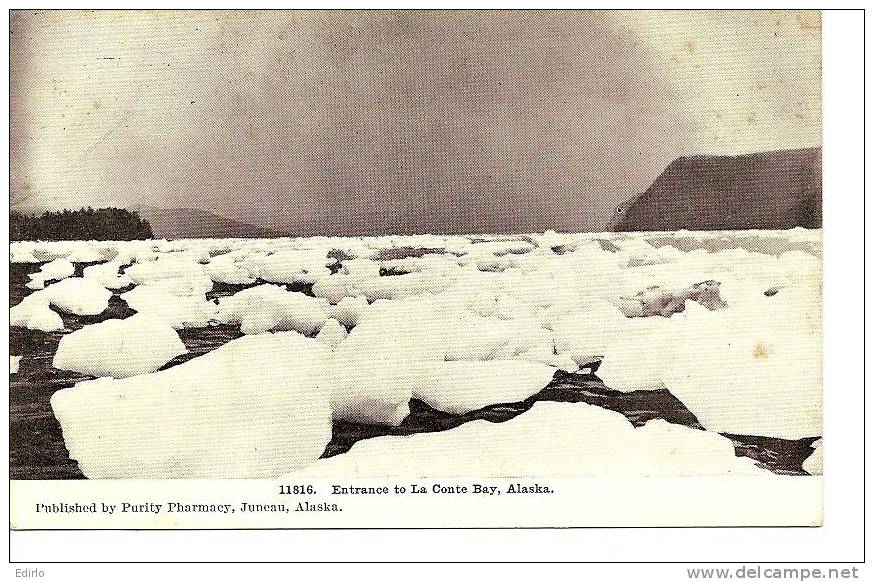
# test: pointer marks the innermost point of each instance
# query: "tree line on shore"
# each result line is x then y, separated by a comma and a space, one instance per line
82, 224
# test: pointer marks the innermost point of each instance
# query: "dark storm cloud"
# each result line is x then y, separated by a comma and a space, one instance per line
434, 122
360, 122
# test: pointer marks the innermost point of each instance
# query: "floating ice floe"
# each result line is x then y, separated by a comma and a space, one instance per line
177, 275
556, 439
419, 347
253, 408
225, 269
270, 307
53, 271
33, 312
296, 266
400, 287
467, 336
14, 361
385, 358
655, 301
107, 274
337, 288
22, 252
176, 311
756, 371
349, 310
119, 347
85, 253
461, 387
77, 296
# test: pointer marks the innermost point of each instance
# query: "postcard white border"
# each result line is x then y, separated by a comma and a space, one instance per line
838, 540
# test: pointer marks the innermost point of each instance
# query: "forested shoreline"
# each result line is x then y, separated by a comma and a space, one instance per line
82, 224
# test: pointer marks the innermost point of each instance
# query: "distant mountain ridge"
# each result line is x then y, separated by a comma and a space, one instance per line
767, 190
196, 223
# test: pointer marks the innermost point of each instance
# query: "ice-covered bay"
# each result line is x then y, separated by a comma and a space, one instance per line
462, 322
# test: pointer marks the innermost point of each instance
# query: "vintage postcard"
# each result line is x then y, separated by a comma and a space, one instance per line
415, 269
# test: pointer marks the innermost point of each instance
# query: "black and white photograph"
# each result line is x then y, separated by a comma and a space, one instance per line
470, 254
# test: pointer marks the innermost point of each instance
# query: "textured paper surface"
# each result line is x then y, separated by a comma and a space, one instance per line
580, 252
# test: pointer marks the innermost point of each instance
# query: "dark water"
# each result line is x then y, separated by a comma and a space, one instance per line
37, 448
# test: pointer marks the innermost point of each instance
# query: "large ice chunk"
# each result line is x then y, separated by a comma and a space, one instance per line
465, 386
757, 371
177, 275
270, 307
552, 439
225, 269
349, 310
33, 312
107, 275
332, 333
52, 271
22, 252
296, 266
77, 296
119, 347
389, 355
176, 311
253, 408
84, 252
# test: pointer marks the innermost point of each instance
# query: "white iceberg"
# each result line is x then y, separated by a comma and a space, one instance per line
461, 387
107, 274
253, 408
77, 296
296, 266
33, 312
388, 356
53, 271
119, 347
552, 439
349, 310
270, 307
176, 311
757, 371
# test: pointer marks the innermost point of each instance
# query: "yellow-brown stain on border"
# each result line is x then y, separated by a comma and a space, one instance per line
760, 352
809, 20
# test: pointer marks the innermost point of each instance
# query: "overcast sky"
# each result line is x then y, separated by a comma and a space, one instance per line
380, 122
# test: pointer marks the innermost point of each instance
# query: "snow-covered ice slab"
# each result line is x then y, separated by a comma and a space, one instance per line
33, 312
53, 271
119, 347
271, 307
253, 408
755, 368
461, 387
176, 311
107, 274
552, 439
387, 356
332, 333
76, 296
